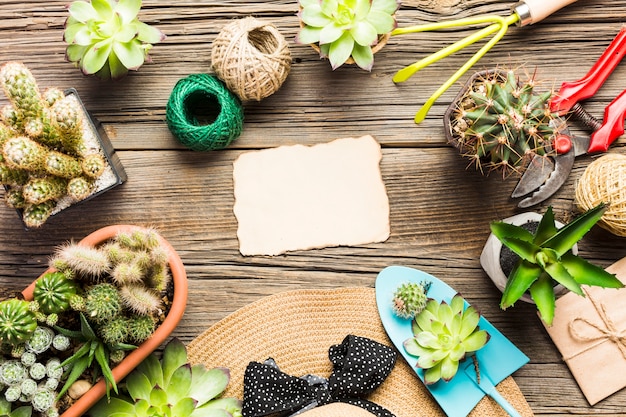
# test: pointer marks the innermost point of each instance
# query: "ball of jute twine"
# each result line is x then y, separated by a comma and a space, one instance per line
203, 114
251, 57
604, 180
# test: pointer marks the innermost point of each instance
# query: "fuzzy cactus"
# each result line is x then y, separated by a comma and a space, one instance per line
106, 38
410, 299
53, 292
500, 122
42, 148
17, 321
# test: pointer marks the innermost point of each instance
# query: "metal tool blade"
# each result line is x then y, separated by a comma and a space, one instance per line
537, 172
562, 167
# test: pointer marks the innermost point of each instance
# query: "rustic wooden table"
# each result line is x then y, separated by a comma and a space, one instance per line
440, 212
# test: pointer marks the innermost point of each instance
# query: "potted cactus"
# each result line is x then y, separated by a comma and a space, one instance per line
102, 307
51, 153
500, 123
106, 38
545, 258
347, 31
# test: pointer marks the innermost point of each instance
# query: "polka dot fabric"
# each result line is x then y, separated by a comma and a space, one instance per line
360, 365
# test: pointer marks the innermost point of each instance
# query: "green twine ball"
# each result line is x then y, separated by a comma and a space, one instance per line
203, 114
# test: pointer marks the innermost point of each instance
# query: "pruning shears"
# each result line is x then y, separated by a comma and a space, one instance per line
546, 174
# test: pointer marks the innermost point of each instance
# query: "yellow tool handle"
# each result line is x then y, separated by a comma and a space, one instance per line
533, 11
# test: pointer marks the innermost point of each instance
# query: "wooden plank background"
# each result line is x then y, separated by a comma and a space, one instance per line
440, 212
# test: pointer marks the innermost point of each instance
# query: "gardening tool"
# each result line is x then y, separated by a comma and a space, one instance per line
484, 383
545, 175
524, 13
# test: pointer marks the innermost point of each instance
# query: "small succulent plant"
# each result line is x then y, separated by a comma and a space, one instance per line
443, 335
171, 387
106, 38
17, 321
346, 29
43, 154
410, 299
545, 256
500, 122
53, 292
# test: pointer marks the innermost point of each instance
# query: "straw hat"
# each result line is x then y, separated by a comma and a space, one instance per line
296, 329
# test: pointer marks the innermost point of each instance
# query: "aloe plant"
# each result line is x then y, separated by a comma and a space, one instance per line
171, 387
444, 334
346, 28
546, 256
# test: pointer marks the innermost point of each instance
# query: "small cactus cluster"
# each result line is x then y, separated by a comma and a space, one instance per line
31, 372
500, 122
410, 299
124, 281
43, 155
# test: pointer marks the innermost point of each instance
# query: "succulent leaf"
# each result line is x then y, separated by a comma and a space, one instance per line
542, 294
519, 281
175, 356
138, 386
546, 228
586, 273
572, 232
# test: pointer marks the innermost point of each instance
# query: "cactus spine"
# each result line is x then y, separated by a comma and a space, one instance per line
42, 149
500, 122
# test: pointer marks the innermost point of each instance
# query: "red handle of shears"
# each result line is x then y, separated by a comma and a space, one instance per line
574, 92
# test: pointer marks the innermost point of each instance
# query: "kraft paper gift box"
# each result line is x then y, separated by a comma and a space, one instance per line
590, 333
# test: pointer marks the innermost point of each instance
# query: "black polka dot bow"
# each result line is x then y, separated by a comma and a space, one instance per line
360, 365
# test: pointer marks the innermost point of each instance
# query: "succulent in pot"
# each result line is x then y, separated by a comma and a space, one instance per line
106, 38
347, 31
82, 300
500, 122
51, 153
545, 256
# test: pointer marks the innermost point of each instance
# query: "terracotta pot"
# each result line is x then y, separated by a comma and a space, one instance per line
490, 256
162, 332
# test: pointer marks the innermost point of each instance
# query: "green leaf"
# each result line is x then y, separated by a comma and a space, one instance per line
184, 407
364, 34
174, 356
413, 348
148, 34
571, 233
308, 35
206, 385
210, 412
5, 406
361, 9
71, 30
306, 3
85, 37
82, 11
117, 70
77, 369
381, 21
138, 386
560, 274
428, 340
128, 10
330, 33
179, 384
314, 16
340, 50
387, 6
231, 405
503, 230
542, 294
524, 249
103, 360
328, 7
433, 374
546, 229
469, 323
520, 280
25, 411
151, 367
476, 341
130, 54
448, 368
586, 273
82, 352
125, 34
158, 397
103, 8
107, 407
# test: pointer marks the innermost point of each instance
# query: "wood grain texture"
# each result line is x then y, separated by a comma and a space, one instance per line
440, 211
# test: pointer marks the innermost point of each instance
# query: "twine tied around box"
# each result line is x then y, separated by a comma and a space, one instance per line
604, 180
251, 57
608, 331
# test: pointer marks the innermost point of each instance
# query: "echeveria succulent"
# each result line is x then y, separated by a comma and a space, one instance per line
171, 387
546, 256
443, 335
346, 28
106, 38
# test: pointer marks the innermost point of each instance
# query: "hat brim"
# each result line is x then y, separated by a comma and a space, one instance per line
296, 328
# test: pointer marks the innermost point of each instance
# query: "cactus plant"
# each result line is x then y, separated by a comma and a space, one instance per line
500, 122
410, 299
345, 29
53, 292
545, 256
171, 386
106, 38
444, 333
17, 321
45, 152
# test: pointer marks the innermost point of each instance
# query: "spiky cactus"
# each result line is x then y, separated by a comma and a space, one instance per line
17, 321
42, 148
410, 299
53, 292
500, 122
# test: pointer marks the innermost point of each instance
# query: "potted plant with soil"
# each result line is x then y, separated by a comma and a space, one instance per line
347, 31
545, 257
110, 300
52, 155
500, 122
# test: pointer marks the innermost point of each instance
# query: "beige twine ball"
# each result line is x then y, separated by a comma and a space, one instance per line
251, 57
604, 180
